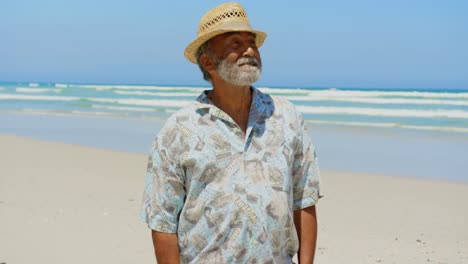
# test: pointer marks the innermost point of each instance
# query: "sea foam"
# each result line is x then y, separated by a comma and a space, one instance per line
437, 113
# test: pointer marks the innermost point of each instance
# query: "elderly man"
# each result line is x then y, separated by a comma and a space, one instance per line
232, 177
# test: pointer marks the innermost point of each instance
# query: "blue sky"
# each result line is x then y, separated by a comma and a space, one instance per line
360, 43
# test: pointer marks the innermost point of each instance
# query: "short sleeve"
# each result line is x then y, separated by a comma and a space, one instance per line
164, 190
306, 179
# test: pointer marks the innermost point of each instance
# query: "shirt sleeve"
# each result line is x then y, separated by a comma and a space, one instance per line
306, 176
164, 190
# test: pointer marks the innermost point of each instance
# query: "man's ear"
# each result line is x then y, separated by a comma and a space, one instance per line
207, 63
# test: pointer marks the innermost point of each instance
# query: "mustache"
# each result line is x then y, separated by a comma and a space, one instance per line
249, 60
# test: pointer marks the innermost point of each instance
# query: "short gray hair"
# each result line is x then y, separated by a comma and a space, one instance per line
205, 48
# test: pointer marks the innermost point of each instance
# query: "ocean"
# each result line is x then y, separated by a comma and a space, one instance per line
396, 132
440, 110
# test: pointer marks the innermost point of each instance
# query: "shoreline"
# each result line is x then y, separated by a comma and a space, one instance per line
56, 198
404, 154
332, 171
353, 126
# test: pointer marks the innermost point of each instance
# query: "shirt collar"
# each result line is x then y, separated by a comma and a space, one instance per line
261, 107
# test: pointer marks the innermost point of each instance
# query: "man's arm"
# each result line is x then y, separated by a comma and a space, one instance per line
166, 247
305, 221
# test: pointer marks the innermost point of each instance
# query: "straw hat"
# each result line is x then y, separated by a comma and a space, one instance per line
227, 17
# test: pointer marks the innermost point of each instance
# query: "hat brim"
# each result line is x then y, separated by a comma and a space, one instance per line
192, 48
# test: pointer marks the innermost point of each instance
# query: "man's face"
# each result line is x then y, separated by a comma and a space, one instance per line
236, 58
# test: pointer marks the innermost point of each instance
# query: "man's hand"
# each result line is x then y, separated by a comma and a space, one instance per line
305, 221
166, 247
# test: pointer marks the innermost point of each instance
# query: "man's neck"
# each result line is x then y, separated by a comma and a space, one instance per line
231, 98
234, 101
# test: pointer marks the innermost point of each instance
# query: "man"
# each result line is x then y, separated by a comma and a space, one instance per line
233, 177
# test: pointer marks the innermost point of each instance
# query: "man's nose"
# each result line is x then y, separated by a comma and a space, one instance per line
249, 52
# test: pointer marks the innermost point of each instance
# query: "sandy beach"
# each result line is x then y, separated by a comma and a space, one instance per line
63, 203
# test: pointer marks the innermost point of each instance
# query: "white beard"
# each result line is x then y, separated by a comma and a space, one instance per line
235, 74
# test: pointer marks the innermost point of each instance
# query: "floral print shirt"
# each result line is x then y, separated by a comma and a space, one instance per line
230, 196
